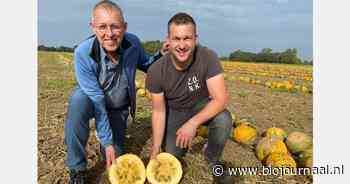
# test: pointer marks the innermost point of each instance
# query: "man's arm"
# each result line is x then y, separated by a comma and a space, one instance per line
219, 101
158, 122
87, 81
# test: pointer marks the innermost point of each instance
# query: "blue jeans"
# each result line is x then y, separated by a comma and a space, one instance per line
219, 126
80, 111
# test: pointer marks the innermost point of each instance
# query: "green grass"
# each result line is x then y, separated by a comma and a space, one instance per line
242, 94
55, 72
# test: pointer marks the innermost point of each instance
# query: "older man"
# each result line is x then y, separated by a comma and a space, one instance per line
105, 66
188, 90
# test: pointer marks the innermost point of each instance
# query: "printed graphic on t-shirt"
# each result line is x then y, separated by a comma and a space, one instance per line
193, 83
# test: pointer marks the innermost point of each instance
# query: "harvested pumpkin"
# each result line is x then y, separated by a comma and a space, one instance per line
202, 131
244, 134
298, 142
308, 162
280, 160
277, 132
138, 84
305, 158
246, 121
269, 145
165, 169
127, 169
141, 92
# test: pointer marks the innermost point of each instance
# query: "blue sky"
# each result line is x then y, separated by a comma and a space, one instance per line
223, 25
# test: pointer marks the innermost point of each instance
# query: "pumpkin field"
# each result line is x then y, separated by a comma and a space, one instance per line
262, 96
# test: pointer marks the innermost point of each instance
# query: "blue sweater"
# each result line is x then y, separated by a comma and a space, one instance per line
86, 65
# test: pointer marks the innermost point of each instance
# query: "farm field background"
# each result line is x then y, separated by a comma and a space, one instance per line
270, 94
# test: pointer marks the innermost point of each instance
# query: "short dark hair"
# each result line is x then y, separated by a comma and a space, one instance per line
107, 4
180, 19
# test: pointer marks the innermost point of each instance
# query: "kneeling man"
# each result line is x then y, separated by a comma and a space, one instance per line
188, 90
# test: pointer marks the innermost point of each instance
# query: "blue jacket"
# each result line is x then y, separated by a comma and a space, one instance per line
86, 65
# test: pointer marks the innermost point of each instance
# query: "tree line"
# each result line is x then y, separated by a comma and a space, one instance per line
151, 47
56, 49
289, 56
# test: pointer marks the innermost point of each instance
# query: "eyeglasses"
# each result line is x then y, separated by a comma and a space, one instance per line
115, 28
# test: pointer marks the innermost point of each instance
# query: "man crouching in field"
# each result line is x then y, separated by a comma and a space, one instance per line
105, 66
188, 90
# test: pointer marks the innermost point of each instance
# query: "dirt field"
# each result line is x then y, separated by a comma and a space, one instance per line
268, 107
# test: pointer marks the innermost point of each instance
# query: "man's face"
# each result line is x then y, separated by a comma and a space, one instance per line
182, 40
109, 28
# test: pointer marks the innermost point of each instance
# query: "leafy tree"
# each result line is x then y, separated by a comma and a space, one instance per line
152, 47
289, 56
55, 49
265, 56
242, 56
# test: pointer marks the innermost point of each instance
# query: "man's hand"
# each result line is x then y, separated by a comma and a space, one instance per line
110, 155
185, 134
154, 152
165, 47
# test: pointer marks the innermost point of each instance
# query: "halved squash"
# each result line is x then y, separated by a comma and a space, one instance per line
165, 169
127, 169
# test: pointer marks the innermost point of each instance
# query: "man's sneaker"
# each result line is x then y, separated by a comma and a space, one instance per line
77, 177
221, 174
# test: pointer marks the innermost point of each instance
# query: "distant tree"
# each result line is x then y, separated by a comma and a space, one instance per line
64, 49
152, 47
224, 58
239, 55
55, 49
308, 62
265, 55
266, 51
290, 57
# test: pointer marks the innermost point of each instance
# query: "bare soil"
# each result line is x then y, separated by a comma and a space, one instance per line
290, 111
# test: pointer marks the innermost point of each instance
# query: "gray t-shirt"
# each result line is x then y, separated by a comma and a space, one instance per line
114, 83
183, 89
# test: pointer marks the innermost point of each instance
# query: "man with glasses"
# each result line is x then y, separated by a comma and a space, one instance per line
105, 67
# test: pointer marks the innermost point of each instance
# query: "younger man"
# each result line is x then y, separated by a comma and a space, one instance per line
188, 90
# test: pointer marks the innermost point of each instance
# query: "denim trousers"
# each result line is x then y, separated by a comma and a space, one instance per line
219, 126
77, 130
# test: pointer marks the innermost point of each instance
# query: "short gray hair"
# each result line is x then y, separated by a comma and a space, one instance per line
109, 5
